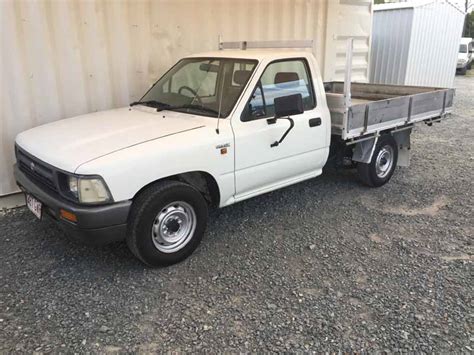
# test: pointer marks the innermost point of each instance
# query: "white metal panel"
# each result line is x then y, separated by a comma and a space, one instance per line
437, 29
65, 58
347, 19
416, 43
390, 45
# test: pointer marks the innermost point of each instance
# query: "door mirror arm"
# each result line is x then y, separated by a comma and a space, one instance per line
284, 107
273, 121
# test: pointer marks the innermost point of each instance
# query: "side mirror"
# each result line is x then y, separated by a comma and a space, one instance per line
285, 107
288, 105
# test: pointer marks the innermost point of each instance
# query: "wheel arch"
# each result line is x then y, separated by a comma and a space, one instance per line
200, 180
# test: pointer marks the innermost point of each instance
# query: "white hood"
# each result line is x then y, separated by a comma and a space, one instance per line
68, 143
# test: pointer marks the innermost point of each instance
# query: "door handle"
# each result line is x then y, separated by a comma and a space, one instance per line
313, 122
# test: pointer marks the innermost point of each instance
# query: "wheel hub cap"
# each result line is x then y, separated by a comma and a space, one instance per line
173, 227
384, 161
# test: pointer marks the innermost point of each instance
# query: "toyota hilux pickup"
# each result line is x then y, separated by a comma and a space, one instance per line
216, 129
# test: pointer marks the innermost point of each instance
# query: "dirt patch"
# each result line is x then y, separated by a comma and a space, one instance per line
464, 257
361, 279
149, 348
312, 291
110, 349
376, 238
431, 210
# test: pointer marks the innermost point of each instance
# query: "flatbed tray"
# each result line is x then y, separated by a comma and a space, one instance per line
372, 108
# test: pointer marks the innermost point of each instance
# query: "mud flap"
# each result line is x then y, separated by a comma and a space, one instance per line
403, 142
364, 150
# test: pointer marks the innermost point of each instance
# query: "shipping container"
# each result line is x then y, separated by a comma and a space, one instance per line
66, 58
416, 43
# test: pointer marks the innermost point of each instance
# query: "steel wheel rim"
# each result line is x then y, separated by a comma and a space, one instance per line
173, 227
384, 161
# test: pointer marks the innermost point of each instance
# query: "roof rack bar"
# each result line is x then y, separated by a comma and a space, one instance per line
265, 44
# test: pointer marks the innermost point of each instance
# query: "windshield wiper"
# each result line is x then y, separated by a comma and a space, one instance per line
151, 103
190, 106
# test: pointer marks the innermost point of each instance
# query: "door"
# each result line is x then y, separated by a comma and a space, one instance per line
259, 167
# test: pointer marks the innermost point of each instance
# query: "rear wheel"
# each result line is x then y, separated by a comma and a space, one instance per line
167, 223
384, 160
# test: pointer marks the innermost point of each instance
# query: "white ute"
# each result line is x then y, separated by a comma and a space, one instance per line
216, 129
465, 55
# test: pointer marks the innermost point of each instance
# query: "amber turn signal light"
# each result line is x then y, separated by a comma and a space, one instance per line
69, 216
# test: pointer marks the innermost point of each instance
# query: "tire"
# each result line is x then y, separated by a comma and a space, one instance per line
166, 224
463, 71
469, 66
384, 161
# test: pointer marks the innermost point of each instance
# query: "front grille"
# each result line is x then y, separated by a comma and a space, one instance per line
36, 170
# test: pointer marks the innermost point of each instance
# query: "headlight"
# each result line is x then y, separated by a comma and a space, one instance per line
88, 190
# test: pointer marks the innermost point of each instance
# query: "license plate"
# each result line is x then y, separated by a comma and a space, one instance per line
34, 205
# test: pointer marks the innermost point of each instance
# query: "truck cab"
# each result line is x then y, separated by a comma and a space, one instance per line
217, 128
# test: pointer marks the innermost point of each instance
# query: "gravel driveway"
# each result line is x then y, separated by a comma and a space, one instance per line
323, 265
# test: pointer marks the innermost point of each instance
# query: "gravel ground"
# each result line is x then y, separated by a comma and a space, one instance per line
323, 265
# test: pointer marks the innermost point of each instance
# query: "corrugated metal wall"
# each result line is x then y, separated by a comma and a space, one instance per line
390, 45
416, 45
65, 58
437, 31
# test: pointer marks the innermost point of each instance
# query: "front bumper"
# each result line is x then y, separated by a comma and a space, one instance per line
460, 65
97, 225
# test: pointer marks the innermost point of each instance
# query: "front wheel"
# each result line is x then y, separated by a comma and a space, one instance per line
167, 223
382, 166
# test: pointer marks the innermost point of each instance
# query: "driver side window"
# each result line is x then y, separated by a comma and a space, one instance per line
281, 78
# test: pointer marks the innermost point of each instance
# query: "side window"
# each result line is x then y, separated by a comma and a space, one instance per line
257, 104
279, 79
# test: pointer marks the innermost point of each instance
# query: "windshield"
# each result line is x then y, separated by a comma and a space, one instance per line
462, 48
203, 86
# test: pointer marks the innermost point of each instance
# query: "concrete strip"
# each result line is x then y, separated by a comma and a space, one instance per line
12, 201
